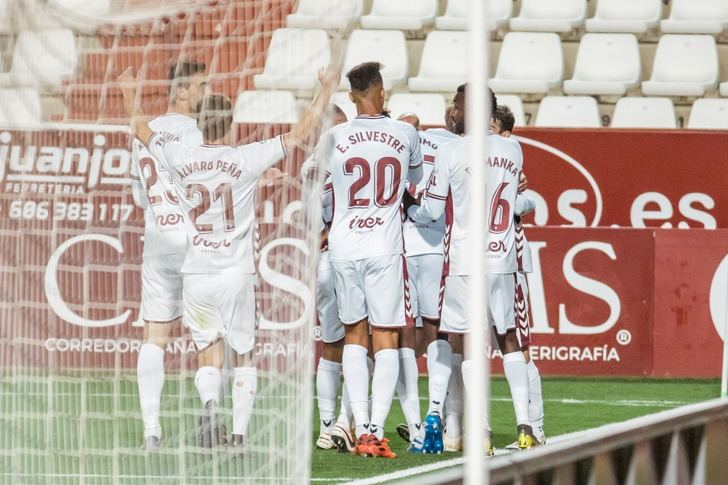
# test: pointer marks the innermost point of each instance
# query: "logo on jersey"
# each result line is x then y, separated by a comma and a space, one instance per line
201, 241
170, 220
497, 247
365, 222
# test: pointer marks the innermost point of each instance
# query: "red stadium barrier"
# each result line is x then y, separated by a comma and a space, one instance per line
604, 301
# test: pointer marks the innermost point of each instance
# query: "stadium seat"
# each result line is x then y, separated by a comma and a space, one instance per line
42, 58
429, 107
516, 104
685, 65
342, 100
294, 59
326, 14
386, 46
709, 114
82, 8
696, 17
444, 64
276, 107
456, 15
20, 108
400, 14
723, 89
629, 16
644, 113
529, 63
6, 19
605, 64
551, 16
568, 112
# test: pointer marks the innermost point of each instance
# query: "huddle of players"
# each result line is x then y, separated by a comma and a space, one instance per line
376, 274
198, 198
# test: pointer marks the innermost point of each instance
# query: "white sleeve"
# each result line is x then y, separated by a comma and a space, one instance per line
138, 191
524, 205
414, 175
166, 152
327, 201
258, 157
192, 137
433, 203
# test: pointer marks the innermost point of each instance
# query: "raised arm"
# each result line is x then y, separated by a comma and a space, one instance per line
138, 123
302, 130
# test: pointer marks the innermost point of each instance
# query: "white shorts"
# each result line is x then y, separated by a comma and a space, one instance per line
373, 288
161, 288
221, 305
501, 303
332, 330
425, 275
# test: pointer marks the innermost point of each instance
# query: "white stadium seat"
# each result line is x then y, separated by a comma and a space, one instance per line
709, 114
696, 17
294, 59
277, 107
568, 112
629, 16
456, 15
605, 64
325, 14
723, 89
6, 18
444, 64
429, 107
529, 63
42, 58
400, 14
516, 104
685, 65
82, 8
20, 108
342, 100
644, 113
386, 46
550, 16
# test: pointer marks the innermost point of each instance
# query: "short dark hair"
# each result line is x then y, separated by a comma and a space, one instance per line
493, 100
365, 75
505, 117
216, 117
180, 73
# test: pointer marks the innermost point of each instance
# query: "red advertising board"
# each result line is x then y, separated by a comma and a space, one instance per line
629, 178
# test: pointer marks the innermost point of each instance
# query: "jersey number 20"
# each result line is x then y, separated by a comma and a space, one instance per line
383, 196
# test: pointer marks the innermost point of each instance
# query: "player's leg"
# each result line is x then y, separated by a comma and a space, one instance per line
236, 304
407, 382
206, 328
454, 403
501, 312
328, 372
349, 289
535, 396
161, 308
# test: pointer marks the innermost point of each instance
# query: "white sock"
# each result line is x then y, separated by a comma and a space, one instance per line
327, 390
454, 399
150, 378
407, 390
439, 368
535, 399
384, 381
208, 381
467, 370
245, 385
345, 417
354, 362
514, 367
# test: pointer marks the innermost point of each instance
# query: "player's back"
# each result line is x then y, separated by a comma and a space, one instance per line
369, 158
216, 186
164, 231
426, 238
502, 172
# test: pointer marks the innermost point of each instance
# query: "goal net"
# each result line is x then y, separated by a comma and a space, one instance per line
71, 241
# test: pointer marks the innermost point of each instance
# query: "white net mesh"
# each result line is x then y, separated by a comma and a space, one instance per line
70, 247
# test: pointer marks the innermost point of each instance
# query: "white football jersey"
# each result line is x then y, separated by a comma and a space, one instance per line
370, 159
216, 187
164, 231
426, 237
449, 191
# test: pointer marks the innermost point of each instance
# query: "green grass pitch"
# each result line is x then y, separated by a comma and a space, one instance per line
55, 448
